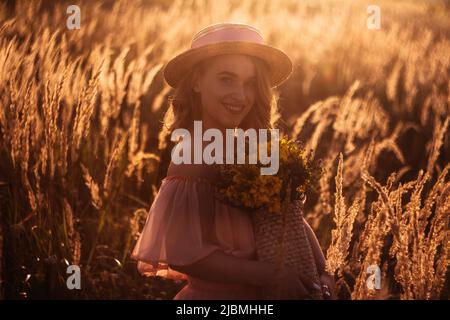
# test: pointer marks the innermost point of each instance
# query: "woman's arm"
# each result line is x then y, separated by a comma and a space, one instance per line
326, 279
221, 267
317, 250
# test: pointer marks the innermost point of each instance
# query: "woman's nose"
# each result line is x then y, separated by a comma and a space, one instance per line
239, 94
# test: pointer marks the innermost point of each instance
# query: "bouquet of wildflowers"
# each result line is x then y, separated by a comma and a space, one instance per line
242, 185
276, 206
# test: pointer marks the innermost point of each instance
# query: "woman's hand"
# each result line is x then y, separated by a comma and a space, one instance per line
328, 286
145, 268
290, 285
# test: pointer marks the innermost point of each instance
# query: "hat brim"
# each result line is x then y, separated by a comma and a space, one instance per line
280, 65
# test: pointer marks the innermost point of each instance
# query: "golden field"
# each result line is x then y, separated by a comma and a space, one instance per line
83, 150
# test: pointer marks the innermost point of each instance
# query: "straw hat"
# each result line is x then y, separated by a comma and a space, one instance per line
229, 38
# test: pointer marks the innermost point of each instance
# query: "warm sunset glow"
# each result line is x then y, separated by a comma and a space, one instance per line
83, 148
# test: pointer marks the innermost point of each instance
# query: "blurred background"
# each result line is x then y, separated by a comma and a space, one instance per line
82, 150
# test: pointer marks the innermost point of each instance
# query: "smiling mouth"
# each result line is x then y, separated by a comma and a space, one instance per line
234, 109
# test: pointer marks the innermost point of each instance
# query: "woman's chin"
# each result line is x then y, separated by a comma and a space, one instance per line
233, 125
229, 124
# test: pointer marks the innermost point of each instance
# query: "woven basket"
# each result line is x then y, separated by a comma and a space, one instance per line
281, 239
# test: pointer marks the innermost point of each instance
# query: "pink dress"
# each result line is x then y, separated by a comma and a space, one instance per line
187, 223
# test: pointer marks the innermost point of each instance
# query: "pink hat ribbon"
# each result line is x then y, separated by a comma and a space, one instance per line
220, 33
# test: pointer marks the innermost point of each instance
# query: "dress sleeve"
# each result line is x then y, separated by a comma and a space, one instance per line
179, 229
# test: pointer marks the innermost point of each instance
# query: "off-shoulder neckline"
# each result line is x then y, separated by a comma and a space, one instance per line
187, 178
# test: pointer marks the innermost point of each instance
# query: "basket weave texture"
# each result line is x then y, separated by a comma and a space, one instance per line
281, 239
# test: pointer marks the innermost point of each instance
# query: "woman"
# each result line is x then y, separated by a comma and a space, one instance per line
224, 80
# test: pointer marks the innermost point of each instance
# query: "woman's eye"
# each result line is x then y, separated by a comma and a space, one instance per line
226, 80
252, 84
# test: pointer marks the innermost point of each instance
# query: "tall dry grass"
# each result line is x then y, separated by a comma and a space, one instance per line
82, 150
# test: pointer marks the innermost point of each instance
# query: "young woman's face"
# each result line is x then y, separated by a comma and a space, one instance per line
227, 88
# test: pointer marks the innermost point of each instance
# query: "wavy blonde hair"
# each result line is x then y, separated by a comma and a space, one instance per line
185, 105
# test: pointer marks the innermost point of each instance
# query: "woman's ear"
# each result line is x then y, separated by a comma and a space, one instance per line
196, 79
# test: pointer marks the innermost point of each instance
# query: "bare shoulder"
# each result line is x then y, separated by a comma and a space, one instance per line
193, 170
